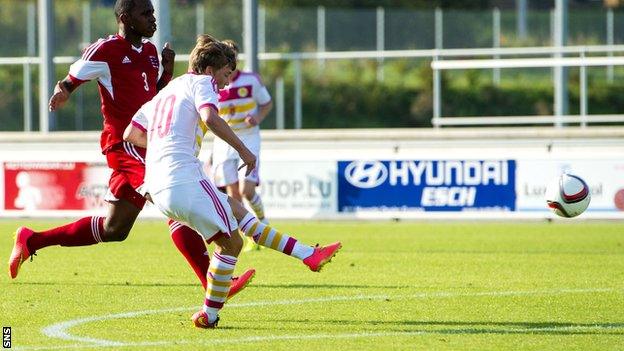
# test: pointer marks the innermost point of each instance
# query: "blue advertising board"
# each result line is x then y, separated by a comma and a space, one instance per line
427, 185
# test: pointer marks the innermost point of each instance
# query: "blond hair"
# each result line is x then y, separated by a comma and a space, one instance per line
208, 53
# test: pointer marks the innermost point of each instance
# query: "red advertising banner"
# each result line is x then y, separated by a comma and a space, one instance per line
54, 185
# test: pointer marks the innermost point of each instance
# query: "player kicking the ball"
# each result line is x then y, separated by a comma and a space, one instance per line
126, 67
172, 126
243, 104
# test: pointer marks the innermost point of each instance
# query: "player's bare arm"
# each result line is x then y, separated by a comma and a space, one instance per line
167, 61
135, 136
62, 90
223, 131
263, 111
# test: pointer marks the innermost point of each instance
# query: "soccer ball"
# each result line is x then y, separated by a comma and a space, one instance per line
568, 195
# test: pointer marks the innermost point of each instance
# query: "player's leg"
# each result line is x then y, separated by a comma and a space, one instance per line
253, 198
225, 175
248, 192
125, 205
251, 181
83, 232
219, 277
207, 211
127, 162
121, 217
191, 245
313, 257
233, 190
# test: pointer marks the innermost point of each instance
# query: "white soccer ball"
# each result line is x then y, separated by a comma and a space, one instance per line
568, 195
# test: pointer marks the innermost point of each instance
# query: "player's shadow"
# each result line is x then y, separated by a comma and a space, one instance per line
129, 284
312, 286
193, 284
480, 327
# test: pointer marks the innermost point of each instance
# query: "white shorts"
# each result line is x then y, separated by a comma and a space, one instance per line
200, 205
225, 161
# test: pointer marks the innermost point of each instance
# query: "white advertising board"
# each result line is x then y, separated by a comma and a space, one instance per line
605, 178
299, 189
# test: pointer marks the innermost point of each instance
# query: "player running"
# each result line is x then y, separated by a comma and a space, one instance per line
172, 126
244, 103
126, 67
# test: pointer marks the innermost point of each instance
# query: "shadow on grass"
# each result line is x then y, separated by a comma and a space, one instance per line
481, 327
252, 285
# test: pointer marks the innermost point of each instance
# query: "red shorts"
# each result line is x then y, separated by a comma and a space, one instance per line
128, 164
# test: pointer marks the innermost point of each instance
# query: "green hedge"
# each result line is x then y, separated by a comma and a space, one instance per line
338, 104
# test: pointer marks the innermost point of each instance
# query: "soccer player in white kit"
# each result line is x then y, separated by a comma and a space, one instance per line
244, 103
173, 125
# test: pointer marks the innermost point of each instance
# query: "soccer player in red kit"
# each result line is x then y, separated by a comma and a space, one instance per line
126, 66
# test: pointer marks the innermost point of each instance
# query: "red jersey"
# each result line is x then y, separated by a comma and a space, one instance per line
126, 76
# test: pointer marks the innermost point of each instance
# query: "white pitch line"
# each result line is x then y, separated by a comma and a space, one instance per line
59, 330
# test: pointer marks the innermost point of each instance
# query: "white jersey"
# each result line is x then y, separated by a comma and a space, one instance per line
242, 98
175, 130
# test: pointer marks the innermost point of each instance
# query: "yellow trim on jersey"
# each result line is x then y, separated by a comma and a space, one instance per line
227, 110
236, 120
203, 126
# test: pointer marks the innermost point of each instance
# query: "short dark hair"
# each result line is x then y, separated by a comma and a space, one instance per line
232, 52
231, 43
123, 6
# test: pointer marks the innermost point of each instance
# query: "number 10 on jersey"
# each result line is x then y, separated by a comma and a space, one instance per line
162, 117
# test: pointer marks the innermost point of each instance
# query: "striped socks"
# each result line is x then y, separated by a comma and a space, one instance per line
269, 237
256, 205
219, 279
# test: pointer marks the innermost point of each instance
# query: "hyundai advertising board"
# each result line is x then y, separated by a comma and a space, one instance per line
426, 185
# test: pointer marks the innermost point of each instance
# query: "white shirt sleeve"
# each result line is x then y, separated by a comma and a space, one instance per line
205, 94
260, 92
89, 70
139, 119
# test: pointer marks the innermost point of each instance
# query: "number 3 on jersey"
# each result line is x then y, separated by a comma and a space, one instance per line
146, 86
162, 117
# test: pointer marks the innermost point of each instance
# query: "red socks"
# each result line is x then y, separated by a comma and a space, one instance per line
192, 247
83, 232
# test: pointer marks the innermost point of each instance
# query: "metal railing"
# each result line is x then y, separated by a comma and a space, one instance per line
435, 55
549, 62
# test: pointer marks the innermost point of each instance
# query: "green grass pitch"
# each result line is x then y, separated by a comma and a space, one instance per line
393, 286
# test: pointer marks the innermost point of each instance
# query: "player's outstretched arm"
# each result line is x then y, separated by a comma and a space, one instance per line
62, 90
223, 131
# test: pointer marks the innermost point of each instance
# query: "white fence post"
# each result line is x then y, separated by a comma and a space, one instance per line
610, 41
583, 93
31, 51
200, 19
320, 33
261, 29
496, 39
298, 102
439, 29
380, 41
279, 108
436, 95
46, 65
